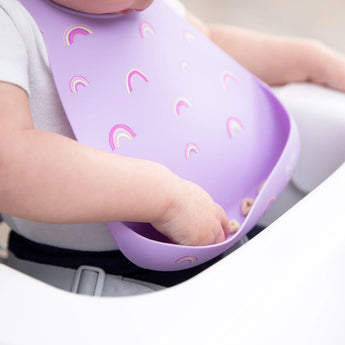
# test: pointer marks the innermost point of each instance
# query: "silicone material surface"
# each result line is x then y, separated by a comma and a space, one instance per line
149, 85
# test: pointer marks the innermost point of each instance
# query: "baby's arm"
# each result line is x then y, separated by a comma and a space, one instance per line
50, 178
278, 60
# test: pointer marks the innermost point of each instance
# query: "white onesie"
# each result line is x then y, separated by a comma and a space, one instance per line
24, 62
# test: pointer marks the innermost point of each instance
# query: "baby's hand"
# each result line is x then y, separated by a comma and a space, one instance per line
193, 218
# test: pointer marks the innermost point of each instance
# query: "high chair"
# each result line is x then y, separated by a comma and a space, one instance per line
285, 286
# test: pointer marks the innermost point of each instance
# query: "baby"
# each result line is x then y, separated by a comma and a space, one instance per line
61, 192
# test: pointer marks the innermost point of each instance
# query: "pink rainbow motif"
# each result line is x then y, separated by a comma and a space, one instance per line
76, 82
181, 103
117, 132
226, 78
233, 125
189, 149
190, 259
131, 75
189, 37
75, 30
184, 66
146, 28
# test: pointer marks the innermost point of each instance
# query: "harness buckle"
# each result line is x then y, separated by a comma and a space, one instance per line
88, 280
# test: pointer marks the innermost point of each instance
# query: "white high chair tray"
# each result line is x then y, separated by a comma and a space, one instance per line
286, 286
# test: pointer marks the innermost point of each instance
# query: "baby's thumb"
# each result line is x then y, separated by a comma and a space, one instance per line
224, 228
225, 224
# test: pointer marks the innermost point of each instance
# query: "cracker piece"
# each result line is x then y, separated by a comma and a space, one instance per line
246, 206
234, 226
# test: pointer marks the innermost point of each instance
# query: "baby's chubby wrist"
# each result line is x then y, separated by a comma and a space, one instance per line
170, 188
327, 67
317, 59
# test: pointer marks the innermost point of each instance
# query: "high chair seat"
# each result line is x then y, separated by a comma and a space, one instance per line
285, 286
320, 117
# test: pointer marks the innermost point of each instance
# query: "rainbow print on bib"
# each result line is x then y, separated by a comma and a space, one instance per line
134, 74
146, 29
233, 126
77, 82
75, 30
117, 133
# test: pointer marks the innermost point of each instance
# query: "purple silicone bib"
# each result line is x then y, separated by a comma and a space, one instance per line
149, 85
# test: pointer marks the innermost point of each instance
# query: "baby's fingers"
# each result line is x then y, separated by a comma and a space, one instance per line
220, 236
225, 224
224, 229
